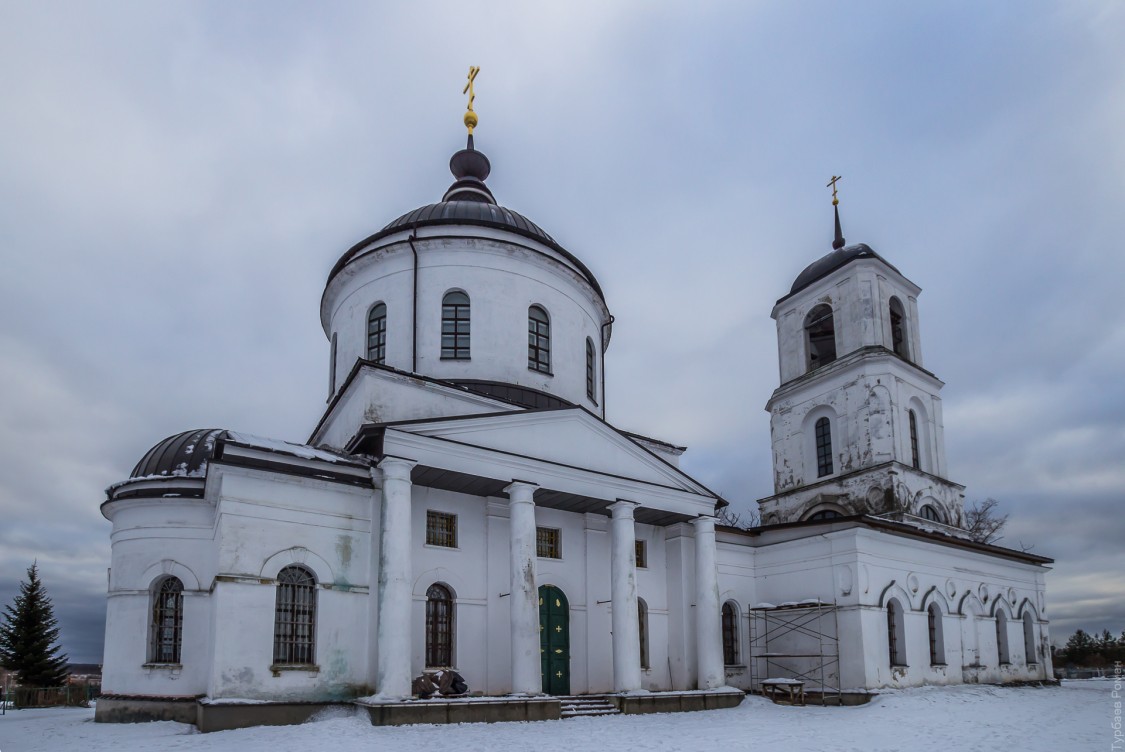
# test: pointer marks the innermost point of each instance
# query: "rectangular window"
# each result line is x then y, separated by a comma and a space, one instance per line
441, 529
548, 543
642, 555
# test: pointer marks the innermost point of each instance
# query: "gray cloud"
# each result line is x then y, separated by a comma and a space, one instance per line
176, 182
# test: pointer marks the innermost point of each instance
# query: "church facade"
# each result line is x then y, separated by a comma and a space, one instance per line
463, 503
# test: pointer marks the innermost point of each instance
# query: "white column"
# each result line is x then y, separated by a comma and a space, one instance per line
393, 640
708, 630
623, 592
527, 675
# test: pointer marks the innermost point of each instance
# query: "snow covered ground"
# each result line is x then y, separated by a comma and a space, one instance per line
1073, 718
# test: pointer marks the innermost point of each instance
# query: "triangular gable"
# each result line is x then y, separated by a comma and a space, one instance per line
566, 436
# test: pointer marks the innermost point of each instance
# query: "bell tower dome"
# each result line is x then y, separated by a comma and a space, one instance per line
856, 423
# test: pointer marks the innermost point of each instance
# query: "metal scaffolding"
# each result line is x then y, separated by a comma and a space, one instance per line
797, 641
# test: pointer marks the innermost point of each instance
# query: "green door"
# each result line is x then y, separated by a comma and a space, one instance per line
554, 640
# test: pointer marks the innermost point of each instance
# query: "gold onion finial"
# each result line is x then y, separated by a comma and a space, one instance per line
832, 185
470, 116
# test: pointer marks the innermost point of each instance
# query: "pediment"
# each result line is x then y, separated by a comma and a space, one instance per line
568, 436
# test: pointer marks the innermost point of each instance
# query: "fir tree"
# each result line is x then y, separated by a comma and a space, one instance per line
29, 636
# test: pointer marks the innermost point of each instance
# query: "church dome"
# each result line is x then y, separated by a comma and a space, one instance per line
185, 454
825, 265
468, 201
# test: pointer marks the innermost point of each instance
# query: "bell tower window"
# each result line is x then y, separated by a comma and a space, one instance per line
915, 460
455, 326
820, 335
823, 432
898, 329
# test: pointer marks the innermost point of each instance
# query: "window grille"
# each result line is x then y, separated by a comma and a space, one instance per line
935, 656
915, 460
455, 326
824, 514
295, 617
642, 554
590, 392
895, 626
931, 514
642, 631
439, 627
377, 333
823, 432
730, 635
441, 529
548, 543
167, 622
538, 340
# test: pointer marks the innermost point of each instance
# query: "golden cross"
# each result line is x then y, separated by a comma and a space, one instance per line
473, 71
832, 185
470, 116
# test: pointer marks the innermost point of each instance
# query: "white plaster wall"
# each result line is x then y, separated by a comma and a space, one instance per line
503, 275
859, 569
152, 538
866, 398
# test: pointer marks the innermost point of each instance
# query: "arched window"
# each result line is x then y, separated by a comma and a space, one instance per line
455, 326
590, 370
1031, 655
823, 433
377, 333
167, 631
915, 459
439, 627
820, 335
898, 329
538, 340
1002, 637
823, 514
642, 617
930, 513
937, 636
294, 624
730, 634
896, 633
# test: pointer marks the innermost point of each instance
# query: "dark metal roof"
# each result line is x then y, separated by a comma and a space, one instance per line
471, 213
825, 265
183, 454
468, 202
520, 395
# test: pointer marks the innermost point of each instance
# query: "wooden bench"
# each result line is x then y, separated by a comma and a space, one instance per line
791, 689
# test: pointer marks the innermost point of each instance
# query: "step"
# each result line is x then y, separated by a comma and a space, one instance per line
586, 705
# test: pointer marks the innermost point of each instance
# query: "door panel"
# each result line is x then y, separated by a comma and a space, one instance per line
554, 640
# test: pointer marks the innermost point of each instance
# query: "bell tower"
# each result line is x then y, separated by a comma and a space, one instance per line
856, 423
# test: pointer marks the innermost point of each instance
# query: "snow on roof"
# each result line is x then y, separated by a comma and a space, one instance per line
285, 447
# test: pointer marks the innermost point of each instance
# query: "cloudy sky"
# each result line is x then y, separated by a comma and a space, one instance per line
177, 179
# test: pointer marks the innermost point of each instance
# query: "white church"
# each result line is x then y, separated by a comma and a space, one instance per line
464, 503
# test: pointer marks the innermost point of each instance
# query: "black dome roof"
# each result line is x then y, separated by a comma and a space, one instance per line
184, 454
825, 265
468, 202
470, 213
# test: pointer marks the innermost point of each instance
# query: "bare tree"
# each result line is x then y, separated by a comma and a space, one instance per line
741, 520
984, 522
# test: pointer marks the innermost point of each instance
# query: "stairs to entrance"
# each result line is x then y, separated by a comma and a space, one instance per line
575, 706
